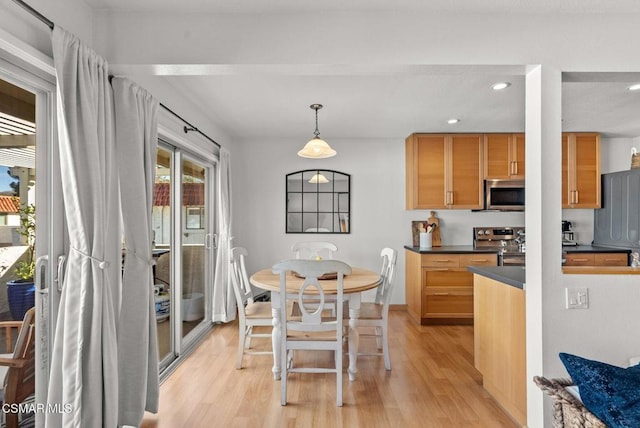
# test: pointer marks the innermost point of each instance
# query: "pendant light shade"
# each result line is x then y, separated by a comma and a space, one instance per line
318, 179
316, 148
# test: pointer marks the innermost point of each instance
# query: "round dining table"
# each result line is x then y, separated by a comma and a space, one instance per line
355, 283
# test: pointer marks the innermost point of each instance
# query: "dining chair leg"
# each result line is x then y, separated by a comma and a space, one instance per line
242, 332
247, 342
338, 378
385, 347
379, 337
284, 376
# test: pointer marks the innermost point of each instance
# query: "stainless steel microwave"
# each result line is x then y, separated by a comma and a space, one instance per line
504, 195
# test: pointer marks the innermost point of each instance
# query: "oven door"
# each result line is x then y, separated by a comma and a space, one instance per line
512, 259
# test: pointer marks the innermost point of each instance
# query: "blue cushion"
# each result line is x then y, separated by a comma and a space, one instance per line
611, 393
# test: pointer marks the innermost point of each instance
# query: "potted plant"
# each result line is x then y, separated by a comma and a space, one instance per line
21, 291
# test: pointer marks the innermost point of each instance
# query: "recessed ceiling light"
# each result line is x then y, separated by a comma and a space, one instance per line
452, 121
635, 87
500, 86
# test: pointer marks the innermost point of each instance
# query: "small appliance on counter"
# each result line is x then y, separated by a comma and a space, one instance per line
510, 241
568, 235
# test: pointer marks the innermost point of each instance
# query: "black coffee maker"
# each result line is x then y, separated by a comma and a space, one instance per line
568, 236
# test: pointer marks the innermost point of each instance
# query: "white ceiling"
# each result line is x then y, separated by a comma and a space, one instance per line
387, 101
458, 6
251, 101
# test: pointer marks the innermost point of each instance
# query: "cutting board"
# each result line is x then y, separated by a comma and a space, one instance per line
435, 240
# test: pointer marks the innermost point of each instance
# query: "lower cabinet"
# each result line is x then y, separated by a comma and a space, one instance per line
439, 289
596, 259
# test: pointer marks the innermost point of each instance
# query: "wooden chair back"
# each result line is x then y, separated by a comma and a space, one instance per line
383, 293
314, 249
20, 380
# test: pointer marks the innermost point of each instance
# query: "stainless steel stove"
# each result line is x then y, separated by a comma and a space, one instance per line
510, 241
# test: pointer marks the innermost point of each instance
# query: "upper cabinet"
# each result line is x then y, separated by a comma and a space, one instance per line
444, 171
504, 156
581, 170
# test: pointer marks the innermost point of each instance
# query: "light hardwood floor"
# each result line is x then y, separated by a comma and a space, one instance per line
433, 384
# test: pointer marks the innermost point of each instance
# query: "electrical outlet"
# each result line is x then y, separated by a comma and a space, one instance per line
577, 298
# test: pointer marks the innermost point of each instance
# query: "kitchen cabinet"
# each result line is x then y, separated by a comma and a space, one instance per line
444, 171
581, 170
439, 289
596, 259
504, 156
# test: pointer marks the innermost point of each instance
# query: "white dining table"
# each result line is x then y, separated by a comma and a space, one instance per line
354, 284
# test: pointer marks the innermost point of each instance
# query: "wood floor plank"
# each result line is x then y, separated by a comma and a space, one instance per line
433, 384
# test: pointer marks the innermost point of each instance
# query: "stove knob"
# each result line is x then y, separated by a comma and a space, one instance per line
487, 232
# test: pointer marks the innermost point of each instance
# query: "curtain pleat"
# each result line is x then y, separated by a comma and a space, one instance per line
136, 113
84, 360
224, 303
104, 365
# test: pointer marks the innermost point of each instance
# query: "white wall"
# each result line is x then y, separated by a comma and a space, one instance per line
378, 215
73, 15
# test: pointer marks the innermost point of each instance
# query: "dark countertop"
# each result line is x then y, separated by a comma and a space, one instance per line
592, 249
511, 275
454, 249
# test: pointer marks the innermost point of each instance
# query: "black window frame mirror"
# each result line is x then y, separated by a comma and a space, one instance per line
318, 201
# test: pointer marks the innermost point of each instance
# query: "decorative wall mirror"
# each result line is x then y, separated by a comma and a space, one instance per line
318, 201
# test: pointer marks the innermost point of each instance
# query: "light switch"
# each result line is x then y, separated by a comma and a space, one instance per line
577, 298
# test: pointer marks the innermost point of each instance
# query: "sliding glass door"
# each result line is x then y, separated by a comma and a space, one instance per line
182, 228
30, 184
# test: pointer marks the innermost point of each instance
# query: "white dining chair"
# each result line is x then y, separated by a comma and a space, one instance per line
314, 249
311, 330
376, 314
250, 314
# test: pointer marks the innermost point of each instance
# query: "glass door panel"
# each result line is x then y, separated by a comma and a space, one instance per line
194, 244
163, 272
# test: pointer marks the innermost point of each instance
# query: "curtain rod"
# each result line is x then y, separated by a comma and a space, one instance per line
50, 24
35, 13
189, 126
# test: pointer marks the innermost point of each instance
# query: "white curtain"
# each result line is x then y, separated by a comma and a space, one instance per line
84, 362
136, 114
224, 303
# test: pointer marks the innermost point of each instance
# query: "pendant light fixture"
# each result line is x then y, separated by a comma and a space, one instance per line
318, 179
316, 148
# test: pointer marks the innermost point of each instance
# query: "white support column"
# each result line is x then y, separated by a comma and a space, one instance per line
543, 129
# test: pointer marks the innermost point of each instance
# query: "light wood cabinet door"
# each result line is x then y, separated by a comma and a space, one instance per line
611, 259
425, 164
581, 170
596, 259
518, 155
444, 171
465, 172
504, 156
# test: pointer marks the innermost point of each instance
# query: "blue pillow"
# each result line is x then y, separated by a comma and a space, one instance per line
611, 393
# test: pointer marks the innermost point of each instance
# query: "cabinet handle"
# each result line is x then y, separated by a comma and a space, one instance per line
579, 260
440, 294
442, 261
577, 199
515, 168
479, 260
438, 269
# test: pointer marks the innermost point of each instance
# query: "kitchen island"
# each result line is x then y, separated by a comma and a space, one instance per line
500, 335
